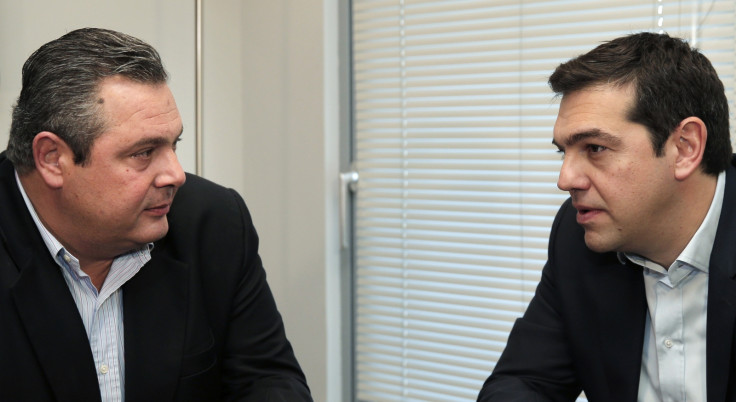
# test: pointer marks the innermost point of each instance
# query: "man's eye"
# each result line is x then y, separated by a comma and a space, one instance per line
143, 154
596, 148
561, 153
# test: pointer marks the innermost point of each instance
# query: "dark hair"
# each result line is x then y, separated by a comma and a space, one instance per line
672, 81
61, 83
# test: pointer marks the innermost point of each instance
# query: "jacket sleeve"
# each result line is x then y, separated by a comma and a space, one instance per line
537, 363
258, 360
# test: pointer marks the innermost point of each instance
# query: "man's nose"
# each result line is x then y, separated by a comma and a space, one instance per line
172, 173
572, 176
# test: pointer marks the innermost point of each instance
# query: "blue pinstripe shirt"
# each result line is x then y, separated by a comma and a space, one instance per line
101, 312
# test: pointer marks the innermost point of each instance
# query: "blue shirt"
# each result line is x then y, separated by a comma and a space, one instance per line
101, 312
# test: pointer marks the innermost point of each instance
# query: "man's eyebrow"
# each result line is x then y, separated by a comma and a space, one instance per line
586, 135
154, 141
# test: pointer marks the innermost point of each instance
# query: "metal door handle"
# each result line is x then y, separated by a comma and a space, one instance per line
348, 182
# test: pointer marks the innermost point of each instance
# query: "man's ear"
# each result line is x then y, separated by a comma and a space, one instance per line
49, 154
689, 140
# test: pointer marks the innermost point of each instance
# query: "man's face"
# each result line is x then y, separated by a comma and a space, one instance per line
119, 199
623, 193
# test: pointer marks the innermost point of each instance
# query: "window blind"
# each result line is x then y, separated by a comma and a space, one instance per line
452, 129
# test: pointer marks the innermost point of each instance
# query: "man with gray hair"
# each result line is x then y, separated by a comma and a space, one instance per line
118, 280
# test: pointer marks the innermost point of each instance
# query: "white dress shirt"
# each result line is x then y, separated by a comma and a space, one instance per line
674, 354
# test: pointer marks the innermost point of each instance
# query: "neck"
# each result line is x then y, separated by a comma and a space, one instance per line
689, 213
97, 271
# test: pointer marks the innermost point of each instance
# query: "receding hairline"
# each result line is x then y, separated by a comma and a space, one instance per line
99, 101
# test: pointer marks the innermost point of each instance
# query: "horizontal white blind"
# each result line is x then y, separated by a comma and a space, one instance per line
452, 132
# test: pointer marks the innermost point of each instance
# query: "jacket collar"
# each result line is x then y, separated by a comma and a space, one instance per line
722, 296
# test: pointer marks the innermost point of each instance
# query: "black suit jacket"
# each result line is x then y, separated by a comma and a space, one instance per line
584, 328
200, 321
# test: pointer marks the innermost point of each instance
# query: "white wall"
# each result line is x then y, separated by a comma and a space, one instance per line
270, 131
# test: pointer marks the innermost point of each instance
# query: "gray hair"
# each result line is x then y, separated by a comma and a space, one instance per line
61, 84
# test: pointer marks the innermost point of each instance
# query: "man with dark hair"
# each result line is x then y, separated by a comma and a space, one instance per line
118, 280
637, 300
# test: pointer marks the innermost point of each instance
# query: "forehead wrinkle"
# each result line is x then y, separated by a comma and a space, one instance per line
148, 116
119, 117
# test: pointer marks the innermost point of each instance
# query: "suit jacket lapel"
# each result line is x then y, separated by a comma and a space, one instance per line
720, 332
45, 306
155, 309
722, 296
621, 318
51, 320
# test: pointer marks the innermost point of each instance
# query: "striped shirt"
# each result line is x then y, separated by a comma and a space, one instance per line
101, 312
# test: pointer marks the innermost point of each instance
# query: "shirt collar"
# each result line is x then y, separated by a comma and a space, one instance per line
697, 252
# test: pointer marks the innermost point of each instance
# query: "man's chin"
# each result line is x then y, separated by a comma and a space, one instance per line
154, 233
596, 243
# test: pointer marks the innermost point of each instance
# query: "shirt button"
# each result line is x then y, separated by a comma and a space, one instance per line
668, 343
104, 369
67, 258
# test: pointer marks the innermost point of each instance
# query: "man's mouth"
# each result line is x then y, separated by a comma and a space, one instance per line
586, 214
159, 210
